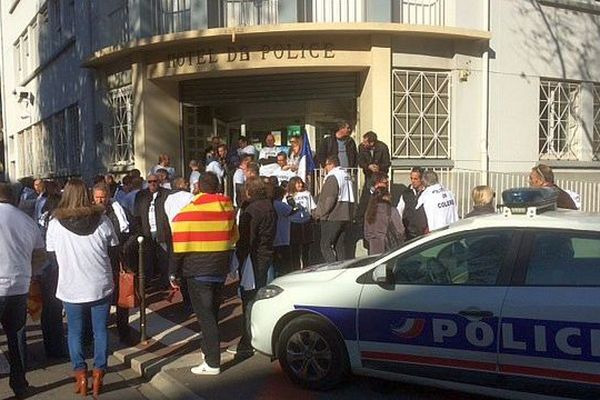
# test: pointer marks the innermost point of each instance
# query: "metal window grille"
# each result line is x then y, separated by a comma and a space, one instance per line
120, 101
596, 138
73, 140
421, 114
250, 12
172, 16
337, 10
559, 120
59, 140
48, 147
118, 21
196, 131
421, 12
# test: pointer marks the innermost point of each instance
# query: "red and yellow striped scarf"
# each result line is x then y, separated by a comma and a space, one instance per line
207, 224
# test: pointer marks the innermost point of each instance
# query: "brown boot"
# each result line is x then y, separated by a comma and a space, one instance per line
81, 382
97, 377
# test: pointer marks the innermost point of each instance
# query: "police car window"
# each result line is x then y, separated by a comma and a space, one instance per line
473, 259
564, 259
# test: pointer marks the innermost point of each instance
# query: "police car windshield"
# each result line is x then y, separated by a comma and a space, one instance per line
362, 261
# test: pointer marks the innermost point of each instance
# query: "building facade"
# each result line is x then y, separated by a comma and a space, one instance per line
482, 85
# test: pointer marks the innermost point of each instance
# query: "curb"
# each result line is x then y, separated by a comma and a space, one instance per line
167, 349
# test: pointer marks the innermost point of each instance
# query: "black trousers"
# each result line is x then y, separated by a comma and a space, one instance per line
156, 260
13, 315
248, 297
333, 240
206, 300
281, 260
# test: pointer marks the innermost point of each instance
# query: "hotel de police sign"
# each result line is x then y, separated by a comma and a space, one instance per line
245, 53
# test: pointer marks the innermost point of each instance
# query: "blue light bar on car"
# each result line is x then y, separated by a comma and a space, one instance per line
526, 200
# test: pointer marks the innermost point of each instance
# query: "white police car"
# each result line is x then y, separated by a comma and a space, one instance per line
505, 305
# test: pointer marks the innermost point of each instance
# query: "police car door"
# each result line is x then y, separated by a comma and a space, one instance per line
550, 327
439, 318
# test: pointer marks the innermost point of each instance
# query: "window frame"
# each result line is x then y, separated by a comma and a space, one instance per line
527, 249
409, 138
549, 128
504, 274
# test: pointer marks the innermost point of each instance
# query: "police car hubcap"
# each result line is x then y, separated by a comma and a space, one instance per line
308, 355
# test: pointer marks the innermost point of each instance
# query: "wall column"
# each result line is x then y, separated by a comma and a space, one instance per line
375, 105
156, 120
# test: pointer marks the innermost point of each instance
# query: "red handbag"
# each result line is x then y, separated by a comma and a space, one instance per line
127, 294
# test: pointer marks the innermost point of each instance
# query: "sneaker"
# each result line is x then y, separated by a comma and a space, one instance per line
205, 369
240, 353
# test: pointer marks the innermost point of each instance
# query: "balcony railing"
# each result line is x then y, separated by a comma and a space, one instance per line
180, 15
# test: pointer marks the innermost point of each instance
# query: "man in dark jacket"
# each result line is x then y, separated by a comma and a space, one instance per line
201, 255
341, 145
373, 158
254, 252
543, 176
415, 221
334, 211
150, 216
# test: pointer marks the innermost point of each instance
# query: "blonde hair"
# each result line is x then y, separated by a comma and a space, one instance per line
482, 195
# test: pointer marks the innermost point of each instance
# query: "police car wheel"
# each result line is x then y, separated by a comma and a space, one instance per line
312, 354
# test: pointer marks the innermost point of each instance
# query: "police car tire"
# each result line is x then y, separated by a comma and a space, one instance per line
339, 367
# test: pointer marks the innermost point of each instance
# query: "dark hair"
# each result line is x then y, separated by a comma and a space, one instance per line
381, 195
243, 139
379, 176
370, 136
283, 154
341, 124
278, 193
254, 167
291, 186
127, 180
208, 183
418, 170
222, 145
99, 179
135, 173
333, 160
6, 193
256, 188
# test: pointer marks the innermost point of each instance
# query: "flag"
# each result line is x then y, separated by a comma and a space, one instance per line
307, 163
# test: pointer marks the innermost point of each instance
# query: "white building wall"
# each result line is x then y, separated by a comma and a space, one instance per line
532, 41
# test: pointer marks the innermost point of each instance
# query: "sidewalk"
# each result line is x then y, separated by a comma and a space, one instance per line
51, 379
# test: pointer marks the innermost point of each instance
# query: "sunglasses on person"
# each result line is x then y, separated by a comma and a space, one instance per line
153, 181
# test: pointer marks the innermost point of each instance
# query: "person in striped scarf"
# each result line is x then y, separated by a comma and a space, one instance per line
204, 233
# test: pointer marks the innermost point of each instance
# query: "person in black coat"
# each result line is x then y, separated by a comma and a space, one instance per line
150, 217
331, 147
257, 228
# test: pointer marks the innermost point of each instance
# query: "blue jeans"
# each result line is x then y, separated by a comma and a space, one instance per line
99, 311
13, 315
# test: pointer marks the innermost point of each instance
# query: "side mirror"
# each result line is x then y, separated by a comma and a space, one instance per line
383, 275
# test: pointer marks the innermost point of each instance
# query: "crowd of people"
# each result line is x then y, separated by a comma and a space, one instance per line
75, 240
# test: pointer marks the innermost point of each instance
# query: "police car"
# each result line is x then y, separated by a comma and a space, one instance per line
505, 305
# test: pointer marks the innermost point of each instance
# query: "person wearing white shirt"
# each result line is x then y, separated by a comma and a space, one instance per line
301, 229
218, 166
194, 175
81, 236
178, 199
239, 179
268, 153
438, 203
244, 147
21, 253
164, 162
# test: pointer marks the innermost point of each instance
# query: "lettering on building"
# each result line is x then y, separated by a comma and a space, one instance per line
265, 52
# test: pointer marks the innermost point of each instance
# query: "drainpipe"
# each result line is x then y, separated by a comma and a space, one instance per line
3, 100
485, 100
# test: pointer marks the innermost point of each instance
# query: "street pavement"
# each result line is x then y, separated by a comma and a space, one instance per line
160, 368
51, 379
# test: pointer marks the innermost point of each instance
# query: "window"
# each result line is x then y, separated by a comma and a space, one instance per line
596, 139
120, 100
17, 60
564, 259
559, 120
242, 13
172, 16
473, 259
421, 112
73, 140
